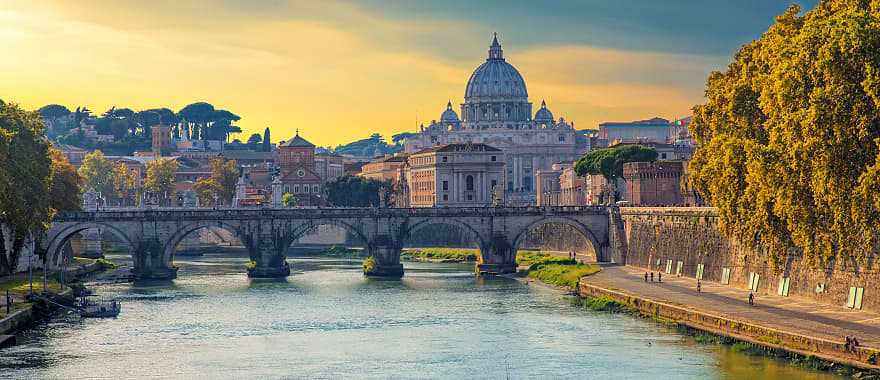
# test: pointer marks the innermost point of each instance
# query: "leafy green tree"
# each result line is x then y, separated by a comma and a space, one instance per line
225, 175
25, 179
160, 178
97, 173
355, 191
65, 194
609, 161
288, 200
206, 190
124, 182
53, 111
788, 136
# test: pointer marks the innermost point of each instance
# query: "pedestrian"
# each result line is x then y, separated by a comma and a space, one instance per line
698, 286
646, 276
652, 276
855, 343
848, 345
659, 276
751, 299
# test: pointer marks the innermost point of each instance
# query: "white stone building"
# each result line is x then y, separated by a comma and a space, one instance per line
497, 112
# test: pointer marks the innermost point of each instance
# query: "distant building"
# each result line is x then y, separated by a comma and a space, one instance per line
390, 168
329, 166
161, 139
654, 183
497, 112
665, 152
74, 154
296, 161
455, 175
657, 130
574, 190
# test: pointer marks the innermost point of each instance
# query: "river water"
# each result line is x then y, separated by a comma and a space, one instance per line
327, 321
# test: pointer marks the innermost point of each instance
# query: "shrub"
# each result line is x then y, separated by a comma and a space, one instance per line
370, 264
567, 274
104, 263
251, 264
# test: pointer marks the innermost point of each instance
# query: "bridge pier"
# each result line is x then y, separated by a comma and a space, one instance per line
387, 254
270, 261
499, 257
149, 262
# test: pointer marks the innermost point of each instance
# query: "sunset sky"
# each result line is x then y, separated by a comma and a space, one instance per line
340, 71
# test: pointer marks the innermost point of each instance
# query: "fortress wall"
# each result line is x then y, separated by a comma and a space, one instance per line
691, 236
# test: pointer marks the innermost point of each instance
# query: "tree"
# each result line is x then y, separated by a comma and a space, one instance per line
288, 200
225, 175
267, 141
66, 191
206, 190
609, 162
97, 173
356, 191
53, 111
254, 140
124, 182
160, 178
788, 136
25, 178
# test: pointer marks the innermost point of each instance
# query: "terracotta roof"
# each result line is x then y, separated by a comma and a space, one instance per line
298, 141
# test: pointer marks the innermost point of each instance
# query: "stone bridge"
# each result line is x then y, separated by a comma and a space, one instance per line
153, 234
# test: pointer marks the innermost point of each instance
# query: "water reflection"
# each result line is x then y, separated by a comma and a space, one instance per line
328, 320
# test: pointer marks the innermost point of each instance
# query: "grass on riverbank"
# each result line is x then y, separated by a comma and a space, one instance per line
562, 274
443, 255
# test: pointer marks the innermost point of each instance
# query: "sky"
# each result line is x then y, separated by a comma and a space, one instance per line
341, 70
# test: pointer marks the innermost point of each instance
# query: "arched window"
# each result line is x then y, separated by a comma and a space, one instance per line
469, 183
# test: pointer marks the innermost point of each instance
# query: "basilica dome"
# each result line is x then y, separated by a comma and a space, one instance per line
544, 114
449, 115
496, 78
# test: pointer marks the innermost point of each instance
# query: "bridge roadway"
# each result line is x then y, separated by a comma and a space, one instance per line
154, 233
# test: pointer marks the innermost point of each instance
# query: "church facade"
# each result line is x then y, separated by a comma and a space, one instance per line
497, 112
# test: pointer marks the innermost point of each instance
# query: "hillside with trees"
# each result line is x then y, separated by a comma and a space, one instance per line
131, 130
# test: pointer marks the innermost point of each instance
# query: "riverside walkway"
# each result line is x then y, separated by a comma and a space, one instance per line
792, 315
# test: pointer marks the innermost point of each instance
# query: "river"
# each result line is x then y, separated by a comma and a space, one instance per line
327, 321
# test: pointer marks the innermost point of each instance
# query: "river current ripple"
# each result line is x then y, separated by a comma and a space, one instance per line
327, 321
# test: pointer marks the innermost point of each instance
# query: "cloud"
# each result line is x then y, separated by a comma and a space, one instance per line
335, 70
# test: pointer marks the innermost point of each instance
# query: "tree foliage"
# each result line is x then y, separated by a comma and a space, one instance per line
25, 180
66, 191
288, 200
160, 178
220, 186
207, 191
97, 173
788, 137
355, 191
124, 183
609, 161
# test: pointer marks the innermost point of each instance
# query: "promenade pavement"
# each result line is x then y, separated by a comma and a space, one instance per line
791, 314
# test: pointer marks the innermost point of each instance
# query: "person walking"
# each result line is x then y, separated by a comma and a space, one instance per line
699, 287
751, 299
652, 276
646, 276
659, 276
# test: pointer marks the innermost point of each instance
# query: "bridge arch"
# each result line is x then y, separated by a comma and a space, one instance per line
56, 241
408, 233
584, 230
311, 225
181, 232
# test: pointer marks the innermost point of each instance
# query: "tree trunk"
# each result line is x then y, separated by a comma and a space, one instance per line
17, 243
4, 265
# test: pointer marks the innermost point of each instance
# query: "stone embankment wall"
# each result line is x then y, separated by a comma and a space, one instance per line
690, 235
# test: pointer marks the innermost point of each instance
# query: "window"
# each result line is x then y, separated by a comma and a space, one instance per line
510, 186
296, 189
445, 197
315, 189
286, 188
494, 158
470, 197
527, 183
469, 183
445, 185
444, 159
494, 183
561, 138
663, 156
306, 189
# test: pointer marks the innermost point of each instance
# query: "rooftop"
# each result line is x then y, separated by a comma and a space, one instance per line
460, 148
653, 122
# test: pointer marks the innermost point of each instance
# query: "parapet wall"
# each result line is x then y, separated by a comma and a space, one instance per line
690, 235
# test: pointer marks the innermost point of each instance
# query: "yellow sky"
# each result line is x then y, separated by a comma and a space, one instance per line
336, 81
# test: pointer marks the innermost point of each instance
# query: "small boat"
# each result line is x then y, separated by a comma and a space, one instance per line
90, 308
